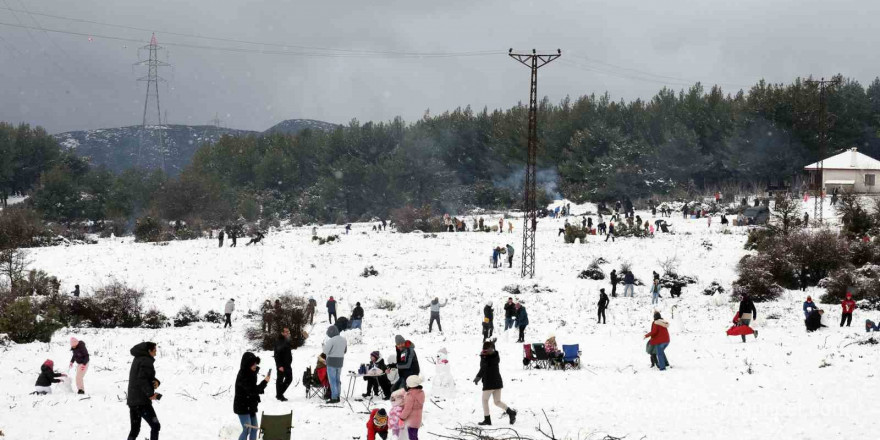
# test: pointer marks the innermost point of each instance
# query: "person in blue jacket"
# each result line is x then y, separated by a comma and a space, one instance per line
809, 306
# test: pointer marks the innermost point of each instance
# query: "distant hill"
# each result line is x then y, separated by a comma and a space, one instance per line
294, 126
117, 148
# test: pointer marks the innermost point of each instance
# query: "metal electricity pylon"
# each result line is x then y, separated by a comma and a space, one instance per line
534, 61
823, 85
152, 79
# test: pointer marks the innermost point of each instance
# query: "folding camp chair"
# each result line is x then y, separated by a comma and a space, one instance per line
276, 427
571, 356
314, 387
528, 357
540, 358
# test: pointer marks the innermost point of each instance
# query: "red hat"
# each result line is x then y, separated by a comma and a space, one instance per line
809, 298
848, 295
49, 363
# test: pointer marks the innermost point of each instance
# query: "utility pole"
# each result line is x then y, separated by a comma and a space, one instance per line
216, 121
534, 61
818, 201
152, 79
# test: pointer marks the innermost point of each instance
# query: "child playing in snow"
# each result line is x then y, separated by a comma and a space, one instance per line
398, 426
47, 377
413, 403
377, 424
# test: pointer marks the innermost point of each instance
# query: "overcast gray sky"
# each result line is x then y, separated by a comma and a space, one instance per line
630, 48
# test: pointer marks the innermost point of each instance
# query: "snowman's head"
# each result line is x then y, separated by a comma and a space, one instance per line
442, 357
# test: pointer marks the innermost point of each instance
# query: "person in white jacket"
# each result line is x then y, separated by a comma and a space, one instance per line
230, 307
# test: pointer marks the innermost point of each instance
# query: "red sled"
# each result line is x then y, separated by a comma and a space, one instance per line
740, 330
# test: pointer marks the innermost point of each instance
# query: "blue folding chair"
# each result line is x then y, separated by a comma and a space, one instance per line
571, 356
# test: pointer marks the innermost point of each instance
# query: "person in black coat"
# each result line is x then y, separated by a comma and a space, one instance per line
247, 394
509, 314
490, 375
357, 315
283, 361
142, 384
488, 321
614, 281
603, 304
376, 377
747, 312
47, 377
814, 320
610, 232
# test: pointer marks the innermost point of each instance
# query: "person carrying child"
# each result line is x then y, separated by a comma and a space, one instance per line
47, 377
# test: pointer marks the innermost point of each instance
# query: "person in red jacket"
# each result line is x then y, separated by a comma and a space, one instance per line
848, 306
377, 424
659, 335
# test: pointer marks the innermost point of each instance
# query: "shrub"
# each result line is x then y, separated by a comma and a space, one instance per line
713, 288
862, 253
856, 221
22, 321
324, 240
409, 218
758, 237
148, 229
755, 280
213, 317
384, 304
291, 314
13, 263
21, 227
369, 272
863, 283
186, 316
573, 233
155, 319
113, 305
593, 272
39, 283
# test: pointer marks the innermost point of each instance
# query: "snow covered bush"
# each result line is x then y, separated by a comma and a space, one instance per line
324, 240
369, 272
155, 319
410, 218
22, 227
39, 283
213, 317
148, 229
856, 220
573, 233
384, 304
290, 314
185, 317
21, 320
863, 283
593, 272
755, 280
113, 305
713, 288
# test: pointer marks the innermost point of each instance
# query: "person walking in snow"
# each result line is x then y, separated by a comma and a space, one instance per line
47, 377
80, 356
220, 237
357, 315
501, 225
659, 335
413, 403
603, 304
614, 281
628, 281
406, 361
509, 314
809, 306
435, 313
522, 321
848, 305
398, 426
509, 256
747, 312
490, 375
283, 361
335, 347
655, 291
610, 232
310, 310
266, 313
233, 234
488, 321
227, 310
142, 385
331, 310
246, 400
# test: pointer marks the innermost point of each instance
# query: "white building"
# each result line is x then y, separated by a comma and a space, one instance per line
847, 171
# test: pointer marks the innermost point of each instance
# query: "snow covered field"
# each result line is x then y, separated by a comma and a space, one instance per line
787, 384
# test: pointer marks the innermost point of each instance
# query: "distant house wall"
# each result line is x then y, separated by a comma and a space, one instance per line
857, 175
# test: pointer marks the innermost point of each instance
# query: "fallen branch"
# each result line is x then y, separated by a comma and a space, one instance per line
186, 394
552, 435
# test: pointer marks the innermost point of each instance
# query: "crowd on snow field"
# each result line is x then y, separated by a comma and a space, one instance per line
396, 379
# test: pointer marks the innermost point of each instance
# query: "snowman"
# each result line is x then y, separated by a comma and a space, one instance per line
443, 384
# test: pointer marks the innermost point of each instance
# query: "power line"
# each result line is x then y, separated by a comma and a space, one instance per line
639, 75
341, 51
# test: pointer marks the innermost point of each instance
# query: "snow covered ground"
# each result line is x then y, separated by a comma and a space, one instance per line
786, 384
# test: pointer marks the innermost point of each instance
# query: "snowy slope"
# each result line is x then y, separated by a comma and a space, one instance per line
708, 393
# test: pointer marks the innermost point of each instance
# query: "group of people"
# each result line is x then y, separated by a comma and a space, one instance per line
497, 253
813, 314
79, 358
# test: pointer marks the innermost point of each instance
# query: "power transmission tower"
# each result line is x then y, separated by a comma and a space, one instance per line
534, 61
216, 121
823, 85
152, 79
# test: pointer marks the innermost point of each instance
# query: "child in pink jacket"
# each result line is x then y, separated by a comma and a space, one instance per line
398, 427
412, 406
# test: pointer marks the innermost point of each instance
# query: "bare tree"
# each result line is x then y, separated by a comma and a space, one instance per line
13, 263
786, 212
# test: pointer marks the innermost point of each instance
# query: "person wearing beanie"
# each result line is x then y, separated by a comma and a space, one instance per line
81, 358
659, 335
227, 310
848, 305
490, 375
357, 315
814, 320
809, 306
376, 377
246, 400
47, 377
331, 310
413, 403
377, 424
142, 385
603, 304
335, 347
406, 361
